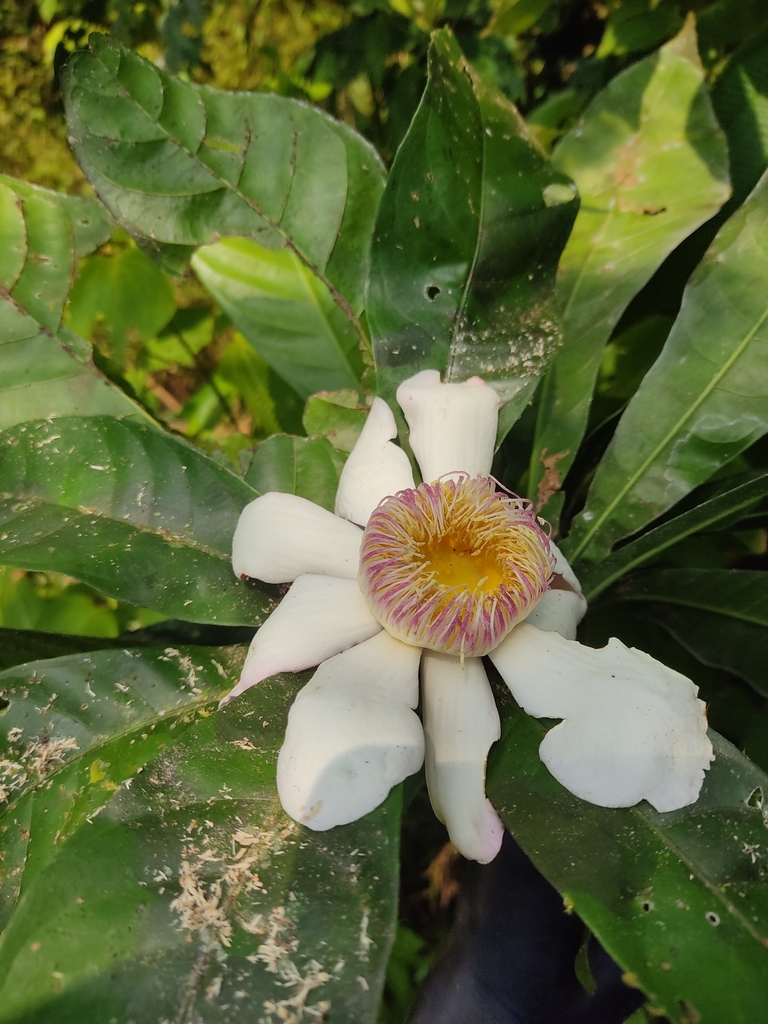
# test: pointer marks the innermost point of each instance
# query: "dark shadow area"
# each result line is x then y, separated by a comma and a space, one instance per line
512, 953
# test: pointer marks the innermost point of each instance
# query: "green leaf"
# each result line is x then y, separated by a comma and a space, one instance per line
679, 900
125, 293
636, 25
140, 515
310, 467
469, 232
719, 640
729, 626
650, 163
45, 370
285, 312
181, 166
337, 415
738, 593
729, 503
176, 888
704, 399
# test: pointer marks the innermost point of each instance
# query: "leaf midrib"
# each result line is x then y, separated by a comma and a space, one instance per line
669, 436
686, 602
82, 510
82, 753
646, 552
698, 873
338, 298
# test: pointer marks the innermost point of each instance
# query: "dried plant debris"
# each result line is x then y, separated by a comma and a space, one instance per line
217, 869
35, 763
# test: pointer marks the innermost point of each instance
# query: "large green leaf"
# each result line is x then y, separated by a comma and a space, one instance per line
679, 900
175, 888
650, 163
734, 592
720, 615
45, 370
136, 513
285, 312
704, 399
734, 501
181, 166
471, 225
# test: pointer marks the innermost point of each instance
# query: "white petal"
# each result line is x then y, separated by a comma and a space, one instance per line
633, 729
560, 611
460, 725
352, 734
318, 617
282, 536
375, 468
452, 426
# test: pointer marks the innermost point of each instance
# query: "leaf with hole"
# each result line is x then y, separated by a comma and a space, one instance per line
471, 225
679, 900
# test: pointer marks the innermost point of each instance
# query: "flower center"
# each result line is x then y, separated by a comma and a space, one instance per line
453, 565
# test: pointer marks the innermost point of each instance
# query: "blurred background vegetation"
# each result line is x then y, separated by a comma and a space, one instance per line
169, 345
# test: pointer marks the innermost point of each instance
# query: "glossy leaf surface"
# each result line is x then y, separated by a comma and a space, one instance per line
651, 165
704, 399
285, 312
310, 467
181, 166
137, 514
46, 370
679, 900
721, 615
471, 225
159, 877
736, 499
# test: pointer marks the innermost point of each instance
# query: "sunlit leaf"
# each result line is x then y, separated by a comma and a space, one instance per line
337, 415
46, 370
138, 514
470, 228
679, 900
704, 399
159, 877
285, 312
650, 163
181, 165
124, 294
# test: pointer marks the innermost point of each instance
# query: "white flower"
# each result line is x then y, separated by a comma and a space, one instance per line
443, 574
